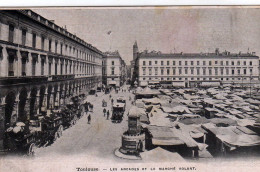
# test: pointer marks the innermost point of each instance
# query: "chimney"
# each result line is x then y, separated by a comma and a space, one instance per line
217, 51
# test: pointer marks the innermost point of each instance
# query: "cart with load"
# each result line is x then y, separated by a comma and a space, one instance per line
20, 141
92, 92
51, 128
121, 100
117, 112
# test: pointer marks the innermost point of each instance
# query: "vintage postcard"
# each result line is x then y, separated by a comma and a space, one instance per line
174, 88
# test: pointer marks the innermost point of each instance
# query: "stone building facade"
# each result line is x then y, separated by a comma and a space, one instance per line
114, 69
42, 65
193, 69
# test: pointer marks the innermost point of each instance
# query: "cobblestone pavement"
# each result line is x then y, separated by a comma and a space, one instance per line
97, 140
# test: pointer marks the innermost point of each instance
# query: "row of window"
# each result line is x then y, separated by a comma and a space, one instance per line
68, 49
198, 79
67, 68
192, 71
199, 62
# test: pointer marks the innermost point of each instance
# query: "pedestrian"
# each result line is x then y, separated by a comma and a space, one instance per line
89, 119
107, 114
104, 111
112, 101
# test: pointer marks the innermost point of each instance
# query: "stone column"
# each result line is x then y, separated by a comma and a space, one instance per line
15, 114
51, 103
44, 101
36, 104
62, 101
27, 106
19, 64
2, 125
57, 99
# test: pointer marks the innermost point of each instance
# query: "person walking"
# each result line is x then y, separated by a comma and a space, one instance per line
107, 114
112, 101
89, 119
104, 111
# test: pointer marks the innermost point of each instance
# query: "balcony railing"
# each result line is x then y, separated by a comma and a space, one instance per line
22, 79
60, 77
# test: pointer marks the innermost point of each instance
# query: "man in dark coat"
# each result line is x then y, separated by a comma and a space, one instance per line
107, 114
104, 111
89, 118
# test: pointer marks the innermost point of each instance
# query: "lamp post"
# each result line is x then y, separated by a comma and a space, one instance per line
250, 84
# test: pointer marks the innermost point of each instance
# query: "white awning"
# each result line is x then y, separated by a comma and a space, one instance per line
210, 84
178, 84
112, 82
143, 84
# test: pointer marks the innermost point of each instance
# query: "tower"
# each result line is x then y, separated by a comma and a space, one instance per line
135, 51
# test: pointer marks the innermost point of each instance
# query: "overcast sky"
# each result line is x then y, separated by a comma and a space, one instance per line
188, 30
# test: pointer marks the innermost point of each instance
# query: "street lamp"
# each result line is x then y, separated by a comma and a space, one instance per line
250, 84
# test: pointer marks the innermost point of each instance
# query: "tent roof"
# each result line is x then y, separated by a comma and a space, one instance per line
160, 155
223, 120
163, 136
154, 100
147, 91
136, 112
189, 121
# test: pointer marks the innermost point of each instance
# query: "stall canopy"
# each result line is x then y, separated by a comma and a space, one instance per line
210, 84
147, 91
190, 121
158, 118
136, 112
234, 137
160, 155
226, 121
178, 84
163, 136
112, 82
143, 84
154, 100
176, 109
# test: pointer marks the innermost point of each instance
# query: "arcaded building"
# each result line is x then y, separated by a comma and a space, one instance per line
42, 65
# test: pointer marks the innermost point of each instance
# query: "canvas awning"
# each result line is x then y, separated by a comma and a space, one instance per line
152, 100
160, 155
112, 83
178, 84
210, 84
136, 112
163, 136
143, 84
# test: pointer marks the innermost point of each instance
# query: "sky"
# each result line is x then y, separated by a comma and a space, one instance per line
165, 29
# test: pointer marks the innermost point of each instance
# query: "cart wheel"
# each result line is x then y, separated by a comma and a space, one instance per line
31, 150
60, 131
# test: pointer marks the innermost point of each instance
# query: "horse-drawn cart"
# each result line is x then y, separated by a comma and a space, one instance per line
117, 112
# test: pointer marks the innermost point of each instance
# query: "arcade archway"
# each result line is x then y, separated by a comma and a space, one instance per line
9, 108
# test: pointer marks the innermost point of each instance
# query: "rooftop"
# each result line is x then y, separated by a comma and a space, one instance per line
217, 54
50, 24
